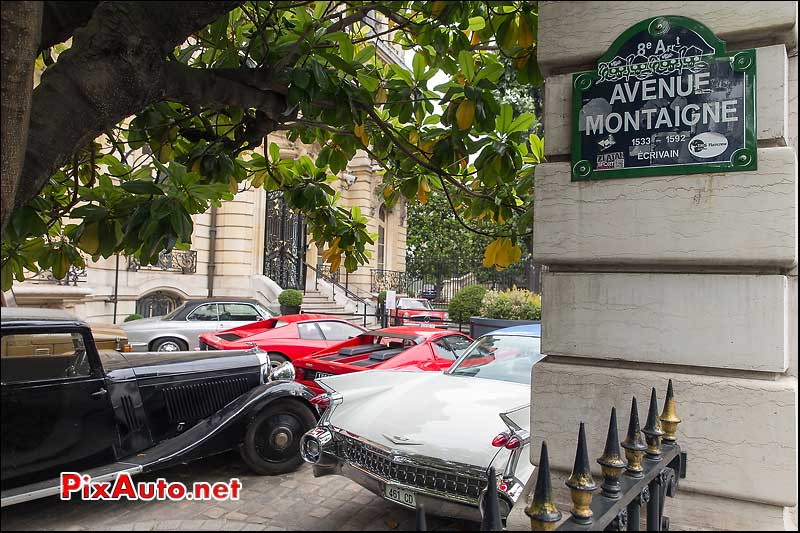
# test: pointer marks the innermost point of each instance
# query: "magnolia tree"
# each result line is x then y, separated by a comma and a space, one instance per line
150, 112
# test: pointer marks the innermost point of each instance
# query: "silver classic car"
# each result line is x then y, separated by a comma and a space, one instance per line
179, 330
429, 438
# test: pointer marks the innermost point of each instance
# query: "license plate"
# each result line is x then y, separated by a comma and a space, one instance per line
321, 375
396, 494
427, 325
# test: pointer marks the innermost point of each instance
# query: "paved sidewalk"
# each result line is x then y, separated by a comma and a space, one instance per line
295, 501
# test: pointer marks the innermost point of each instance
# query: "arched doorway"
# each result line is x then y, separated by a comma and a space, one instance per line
157, 303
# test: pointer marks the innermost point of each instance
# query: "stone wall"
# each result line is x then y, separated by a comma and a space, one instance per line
692, 278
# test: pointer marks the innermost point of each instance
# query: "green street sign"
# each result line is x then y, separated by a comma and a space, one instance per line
666, 98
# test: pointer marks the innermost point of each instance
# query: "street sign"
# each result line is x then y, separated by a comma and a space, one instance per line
391, 299
666, 98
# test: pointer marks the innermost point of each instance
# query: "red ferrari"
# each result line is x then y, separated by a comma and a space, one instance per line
400, 347
286, 338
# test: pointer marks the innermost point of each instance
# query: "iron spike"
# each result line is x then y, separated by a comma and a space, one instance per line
542, 511
491, 508
611, 461
669, 417
633, 444
580, 483
422, 522
652, 429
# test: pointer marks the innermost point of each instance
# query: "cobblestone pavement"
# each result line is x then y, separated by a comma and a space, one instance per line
295, 501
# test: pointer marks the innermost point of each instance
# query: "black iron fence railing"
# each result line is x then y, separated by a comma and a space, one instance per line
439, 279
389, 280
181, 261
74, 276
647, 475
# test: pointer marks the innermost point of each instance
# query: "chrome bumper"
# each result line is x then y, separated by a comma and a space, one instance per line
320, 447
440, 506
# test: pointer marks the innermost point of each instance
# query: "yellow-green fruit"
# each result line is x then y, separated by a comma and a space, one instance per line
465, 114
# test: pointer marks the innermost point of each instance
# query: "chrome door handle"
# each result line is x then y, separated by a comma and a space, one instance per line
99, 394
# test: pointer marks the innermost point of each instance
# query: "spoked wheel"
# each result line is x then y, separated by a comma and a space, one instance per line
272, 442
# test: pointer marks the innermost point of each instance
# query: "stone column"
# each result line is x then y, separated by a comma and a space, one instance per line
690, 277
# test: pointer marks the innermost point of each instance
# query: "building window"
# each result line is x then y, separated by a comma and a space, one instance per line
157, 303
382, 238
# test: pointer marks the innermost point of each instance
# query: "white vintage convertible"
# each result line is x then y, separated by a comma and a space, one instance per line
428, 438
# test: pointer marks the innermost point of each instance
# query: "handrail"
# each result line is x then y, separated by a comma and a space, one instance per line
346, 290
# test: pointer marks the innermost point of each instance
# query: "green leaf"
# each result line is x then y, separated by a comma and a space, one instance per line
467, 64
141, 187
476, 23
274, 152
419, 63
364, 54
339, 63
522, 123
504, 118
491, 72
403, 74
368, 82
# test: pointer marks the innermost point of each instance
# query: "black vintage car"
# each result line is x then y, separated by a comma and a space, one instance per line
68, 407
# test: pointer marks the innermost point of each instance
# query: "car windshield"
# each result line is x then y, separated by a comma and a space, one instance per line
408, 303
502, 357
393, 341
174, 312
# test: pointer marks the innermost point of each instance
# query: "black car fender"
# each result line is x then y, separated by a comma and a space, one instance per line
223, 430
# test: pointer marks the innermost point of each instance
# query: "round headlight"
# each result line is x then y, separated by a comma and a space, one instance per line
284, 371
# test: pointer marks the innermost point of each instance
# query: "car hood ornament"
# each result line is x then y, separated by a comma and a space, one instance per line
402, 441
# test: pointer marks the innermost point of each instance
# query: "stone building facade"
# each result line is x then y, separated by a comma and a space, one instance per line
238, 265
689, 277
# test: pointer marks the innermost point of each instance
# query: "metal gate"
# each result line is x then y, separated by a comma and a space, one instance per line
442, 278
284, 243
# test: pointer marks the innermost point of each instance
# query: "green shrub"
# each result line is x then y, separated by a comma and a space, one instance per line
382, 297
134, 316
466, 303
290, 298
513, 304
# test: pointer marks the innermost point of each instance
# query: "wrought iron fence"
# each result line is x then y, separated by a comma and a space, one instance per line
74, 276
646, 476
389, 280
181, 261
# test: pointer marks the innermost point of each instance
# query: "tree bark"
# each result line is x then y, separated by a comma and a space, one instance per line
21, 24
115, 67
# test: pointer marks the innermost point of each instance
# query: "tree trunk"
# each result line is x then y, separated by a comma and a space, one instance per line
114, 69
21, 26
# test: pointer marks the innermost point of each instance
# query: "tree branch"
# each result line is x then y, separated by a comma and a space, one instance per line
106, 76
61, 19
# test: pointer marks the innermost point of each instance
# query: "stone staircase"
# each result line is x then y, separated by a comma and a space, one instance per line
316, 302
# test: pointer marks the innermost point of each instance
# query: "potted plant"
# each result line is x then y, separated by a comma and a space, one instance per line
503, 309
290, 301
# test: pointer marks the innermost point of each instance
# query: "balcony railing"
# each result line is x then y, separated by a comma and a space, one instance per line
74, 276
184, 262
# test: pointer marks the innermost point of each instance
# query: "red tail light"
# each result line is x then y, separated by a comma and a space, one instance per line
323, 401
513, 443
501, 440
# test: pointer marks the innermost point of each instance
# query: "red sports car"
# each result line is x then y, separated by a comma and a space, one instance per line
286, 338
418, 312
400, 347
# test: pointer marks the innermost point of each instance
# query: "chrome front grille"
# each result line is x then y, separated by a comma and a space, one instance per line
378, 462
